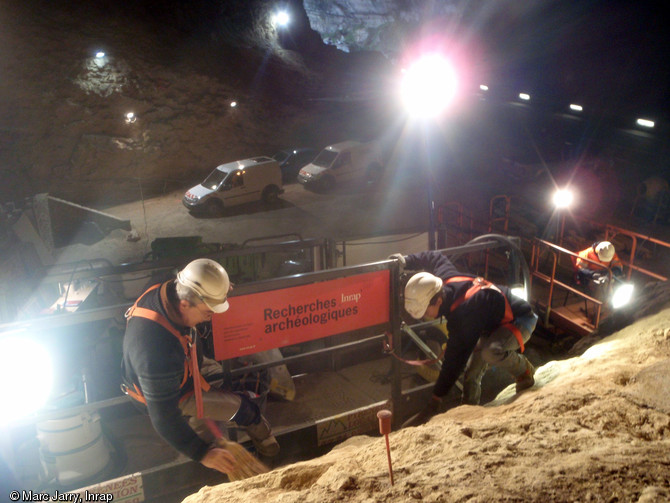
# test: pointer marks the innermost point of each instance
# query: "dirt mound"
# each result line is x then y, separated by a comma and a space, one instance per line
594, 428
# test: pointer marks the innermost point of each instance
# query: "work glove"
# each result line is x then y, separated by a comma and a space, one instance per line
400, 258
432, 408
599, 279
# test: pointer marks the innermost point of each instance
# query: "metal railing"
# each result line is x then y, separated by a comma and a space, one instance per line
453, 216
611, 232
341, 343
504, 218
542, 248
318, 253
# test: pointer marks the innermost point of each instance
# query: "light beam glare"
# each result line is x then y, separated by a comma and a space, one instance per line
563, 198
429, 86
622, 295
35, 382
281, 19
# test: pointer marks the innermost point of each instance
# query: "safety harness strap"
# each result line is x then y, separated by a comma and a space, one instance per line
190, 354
388, 349
479, 284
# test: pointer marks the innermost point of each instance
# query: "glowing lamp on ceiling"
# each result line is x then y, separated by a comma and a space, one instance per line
428, 86
281, 19
563, 198
645, 123
100, 59
524, 96
130, 118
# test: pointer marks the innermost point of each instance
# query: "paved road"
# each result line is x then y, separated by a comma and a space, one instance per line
346, 212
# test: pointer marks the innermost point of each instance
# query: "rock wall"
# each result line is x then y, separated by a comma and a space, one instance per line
383, 26
63, 123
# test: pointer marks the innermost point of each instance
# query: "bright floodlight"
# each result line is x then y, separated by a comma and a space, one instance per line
645, 123
519, 291
428, 86
484, 87
575, 107
563, 198
622, 295
281, 18
130, 118
35, 380
524, 96
233, 104
99, 54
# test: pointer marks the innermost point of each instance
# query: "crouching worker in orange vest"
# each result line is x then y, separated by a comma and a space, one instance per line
162, 352
487, 326
603, 253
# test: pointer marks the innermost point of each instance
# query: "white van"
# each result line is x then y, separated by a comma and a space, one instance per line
236, 183
343, 162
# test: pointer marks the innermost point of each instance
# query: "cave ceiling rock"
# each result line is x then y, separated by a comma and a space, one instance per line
376, 25
103, 76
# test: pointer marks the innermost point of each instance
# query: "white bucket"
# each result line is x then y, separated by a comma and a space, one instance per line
72, 449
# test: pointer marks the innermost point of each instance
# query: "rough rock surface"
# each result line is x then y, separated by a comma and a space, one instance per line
372, 25
595, 427
178, 68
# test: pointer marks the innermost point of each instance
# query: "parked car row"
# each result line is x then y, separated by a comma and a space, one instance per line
262, 178
291, 161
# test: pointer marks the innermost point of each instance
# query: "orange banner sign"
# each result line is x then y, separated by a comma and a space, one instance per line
267, 320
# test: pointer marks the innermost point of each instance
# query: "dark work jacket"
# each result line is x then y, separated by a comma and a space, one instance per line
153, 358
480, 315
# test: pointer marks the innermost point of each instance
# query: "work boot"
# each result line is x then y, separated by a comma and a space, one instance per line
472, 379
472, 392
262, 438
526, 379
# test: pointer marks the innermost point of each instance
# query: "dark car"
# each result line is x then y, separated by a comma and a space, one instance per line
292, 160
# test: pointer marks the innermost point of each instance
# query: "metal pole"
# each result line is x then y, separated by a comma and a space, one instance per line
385, 417
431, 217
396, 369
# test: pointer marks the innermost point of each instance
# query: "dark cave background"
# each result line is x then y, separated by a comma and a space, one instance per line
177, 65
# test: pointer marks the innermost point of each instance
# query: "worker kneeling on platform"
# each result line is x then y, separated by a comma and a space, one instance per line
162, 354
593, 263
487, 326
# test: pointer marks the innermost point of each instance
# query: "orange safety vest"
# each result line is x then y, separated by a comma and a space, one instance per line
590, 254
190, 355
479, 284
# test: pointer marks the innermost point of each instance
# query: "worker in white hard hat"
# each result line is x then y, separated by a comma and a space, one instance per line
593, 263
162, 352
487, 325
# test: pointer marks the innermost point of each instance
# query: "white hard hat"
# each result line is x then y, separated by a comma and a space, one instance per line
209, 280
605, 251
418, 291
